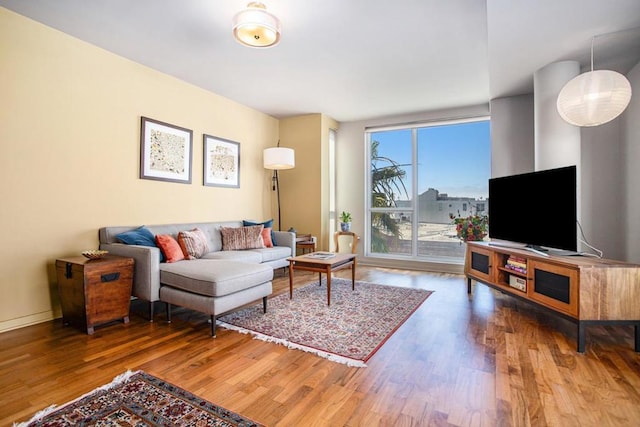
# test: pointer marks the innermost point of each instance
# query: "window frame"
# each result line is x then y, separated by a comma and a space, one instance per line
414, 206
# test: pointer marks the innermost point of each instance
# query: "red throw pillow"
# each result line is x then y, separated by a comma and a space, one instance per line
266, 237
169, 247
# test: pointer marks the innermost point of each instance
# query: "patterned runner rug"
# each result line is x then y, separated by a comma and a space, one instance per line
138, 399
349, 331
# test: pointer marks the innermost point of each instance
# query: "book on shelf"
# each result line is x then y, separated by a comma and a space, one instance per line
321, 255
517, 263
515, 268
516, 260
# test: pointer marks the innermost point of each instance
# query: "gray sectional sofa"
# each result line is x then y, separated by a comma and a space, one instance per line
219, 281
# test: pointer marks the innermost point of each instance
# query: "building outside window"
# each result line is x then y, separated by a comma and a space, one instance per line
419, 175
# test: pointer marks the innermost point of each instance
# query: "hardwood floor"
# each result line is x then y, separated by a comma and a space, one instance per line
461, 360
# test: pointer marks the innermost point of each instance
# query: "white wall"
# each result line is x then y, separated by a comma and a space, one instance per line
512, 135
601, 189
557, 143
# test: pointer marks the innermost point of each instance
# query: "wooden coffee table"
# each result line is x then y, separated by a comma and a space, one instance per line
329, 265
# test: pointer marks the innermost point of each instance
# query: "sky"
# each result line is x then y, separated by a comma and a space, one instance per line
454, 159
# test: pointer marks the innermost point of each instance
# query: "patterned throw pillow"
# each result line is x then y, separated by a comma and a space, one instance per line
267, 224
238, 238
193, 243
169, 247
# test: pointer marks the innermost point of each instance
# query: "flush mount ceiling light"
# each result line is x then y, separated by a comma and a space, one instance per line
255, 27
594, 98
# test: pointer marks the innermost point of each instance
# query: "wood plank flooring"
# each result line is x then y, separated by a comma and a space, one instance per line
461, 360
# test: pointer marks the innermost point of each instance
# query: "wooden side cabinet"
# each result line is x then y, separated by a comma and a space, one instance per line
586, 290
94, 292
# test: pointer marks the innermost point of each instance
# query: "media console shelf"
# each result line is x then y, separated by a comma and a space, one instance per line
586, 290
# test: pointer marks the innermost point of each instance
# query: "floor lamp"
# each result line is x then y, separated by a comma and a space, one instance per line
278, 158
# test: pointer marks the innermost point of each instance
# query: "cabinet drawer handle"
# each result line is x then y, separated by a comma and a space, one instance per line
110, 277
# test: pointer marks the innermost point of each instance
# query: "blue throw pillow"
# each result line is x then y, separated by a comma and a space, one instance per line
140, 236
266, 224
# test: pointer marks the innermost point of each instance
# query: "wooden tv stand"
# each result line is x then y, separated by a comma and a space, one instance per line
585, 290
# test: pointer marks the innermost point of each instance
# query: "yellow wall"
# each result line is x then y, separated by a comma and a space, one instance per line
69, 157
305, 189
300, 197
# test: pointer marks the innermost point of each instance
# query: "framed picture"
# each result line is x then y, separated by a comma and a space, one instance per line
165, 151
221, 162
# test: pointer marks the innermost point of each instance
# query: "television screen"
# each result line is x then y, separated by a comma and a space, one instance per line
538, 209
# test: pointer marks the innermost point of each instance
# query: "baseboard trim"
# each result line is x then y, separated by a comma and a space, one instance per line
437, 267
21, 322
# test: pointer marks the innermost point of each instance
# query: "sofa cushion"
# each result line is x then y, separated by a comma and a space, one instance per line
238, 238
266, 224
272, 254
141, 236
251, 256
169, 247
214, 277
193, 243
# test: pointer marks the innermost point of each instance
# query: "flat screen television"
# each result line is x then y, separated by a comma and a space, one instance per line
537, 209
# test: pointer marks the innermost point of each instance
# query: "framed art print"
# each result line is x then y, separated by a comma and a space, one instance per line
221, 162
165, 151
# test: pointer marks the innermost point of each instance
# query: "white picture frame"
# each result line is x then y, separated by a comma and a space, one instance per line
221, 162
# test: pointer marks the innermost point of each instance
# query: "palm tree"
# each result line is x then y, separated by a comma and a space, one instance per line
387, 182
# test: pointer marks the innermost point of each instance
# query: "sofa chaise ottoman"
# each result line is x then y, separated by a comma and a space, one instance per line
214, 286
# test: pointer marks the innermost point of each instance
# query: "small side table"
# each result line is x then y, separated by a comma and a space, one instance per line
93, 292
306, 242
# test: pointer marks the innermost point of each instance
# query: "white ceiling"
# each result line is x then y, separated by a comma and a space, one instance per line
356, 59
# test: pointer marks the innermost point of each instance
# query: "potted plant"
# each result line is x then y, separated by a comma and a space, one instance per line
470, 228
345, 221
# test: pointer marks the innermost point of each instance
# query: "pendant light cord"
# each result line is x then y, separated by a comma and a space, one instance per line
593, 39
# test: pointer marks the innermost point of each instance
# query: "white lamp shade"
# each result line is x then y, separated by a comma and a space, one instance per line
255, 27
279, 158
594, 98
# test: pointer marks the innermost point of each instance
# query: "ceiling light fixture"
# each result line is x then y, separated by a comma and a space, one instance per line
595, 97
255, 27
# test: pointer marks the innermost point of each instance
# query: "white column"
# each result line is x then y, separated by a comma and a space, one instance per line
557, 143
512, 135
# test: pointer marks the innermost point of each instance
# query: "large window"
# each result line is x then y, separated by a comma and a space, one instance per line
420, 175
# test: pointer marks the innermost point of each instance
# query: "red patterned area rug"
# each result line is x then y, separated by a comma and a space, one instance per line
138, 399
349, 331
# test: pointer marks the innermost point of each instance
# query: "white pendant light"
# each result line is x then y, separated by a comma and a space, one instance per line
255, 27
594, 98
